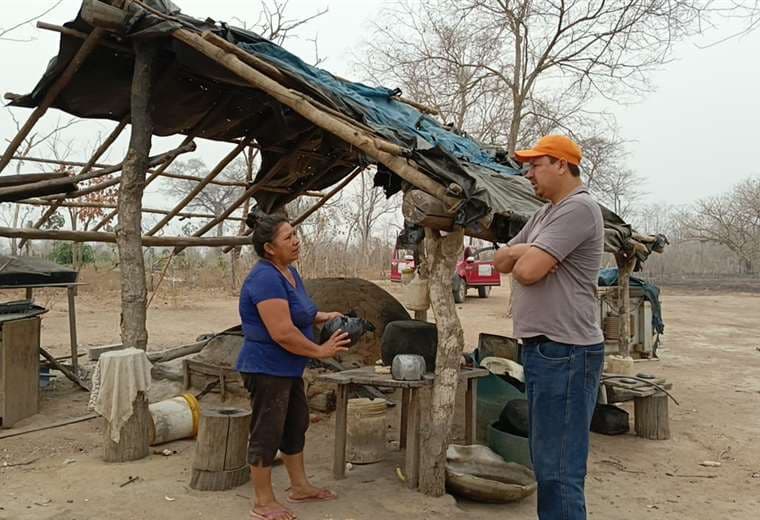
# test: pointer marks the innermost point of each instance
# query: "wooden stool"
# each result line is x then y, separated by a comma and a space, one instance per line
650, 416
220, 452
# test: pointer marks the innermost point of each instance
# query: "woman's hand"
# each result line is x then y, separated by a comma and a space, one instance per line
323, 317
338, 342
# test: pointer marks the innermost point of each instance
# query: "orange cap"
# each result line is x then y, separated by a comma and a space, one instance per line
557, 146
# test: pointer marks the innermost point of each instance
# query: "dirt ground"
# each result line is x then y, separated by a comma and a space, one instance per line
711, 355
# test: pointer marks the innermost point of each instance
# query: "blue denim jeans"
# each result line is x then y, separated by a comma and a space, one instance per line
562, 383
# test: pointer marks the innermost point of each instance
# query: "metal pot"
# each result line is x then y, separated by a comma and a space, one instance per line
408, 367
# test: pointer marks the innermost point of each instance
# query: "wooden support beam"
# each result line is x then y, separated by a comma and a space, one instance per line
83, 36
351, 133
227, 159
103, 205
26, 178
100, 236
273, 171
128, 236
161, 174
89, 175
153, 161
43, 160
105, 145
89, 44
624, 307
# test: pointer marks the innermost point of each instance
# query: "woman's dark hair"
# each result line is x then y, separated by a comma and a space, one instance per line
264, 230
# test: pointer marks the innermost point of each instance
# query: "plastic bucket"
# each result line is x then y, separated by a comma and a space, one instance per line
175, 418
366, 430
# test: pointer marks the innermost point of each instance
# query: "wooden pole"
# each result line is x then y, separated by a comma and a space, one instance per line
86, 168
651, 417
103, 205
348, 132
128, 235
441, 255
71, 292
26, 178
100, 236
274, 170
154, 161
309, 212
153, 176
199, 187
82, 36
89, 44
158, 159
624, 307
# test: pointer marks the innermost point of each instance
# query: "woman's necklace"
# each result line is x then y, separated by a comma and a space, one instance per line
286, 273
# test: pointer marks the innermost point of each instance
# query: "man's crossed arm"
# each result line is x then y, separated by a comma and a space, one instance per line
527, 263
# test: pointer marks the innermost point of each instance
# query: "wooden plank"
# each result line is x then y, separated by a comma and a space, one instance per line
19, 363
341, 412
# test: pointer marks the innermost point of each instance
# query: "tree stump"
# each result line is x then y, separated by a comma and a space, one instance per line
134, 435
651, 418
220, 451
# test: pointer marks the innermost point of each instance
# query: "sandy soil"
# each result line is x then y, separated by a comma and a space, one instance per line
711, 354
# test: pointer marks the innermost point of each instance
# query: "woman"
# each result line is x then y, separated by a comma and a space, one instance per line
278, 318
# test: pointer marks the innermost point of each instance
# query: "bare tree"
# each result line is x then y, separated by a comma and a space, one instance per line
365, 207
5, 31
514, 67
214, 198
33, 141
731, 219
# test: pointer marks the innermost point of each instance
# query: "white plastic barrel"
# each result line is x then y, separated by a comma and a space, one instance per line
366, 430
175, 418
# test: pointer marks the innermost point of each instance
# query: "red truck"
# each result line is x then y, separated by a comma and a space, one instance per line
474, 269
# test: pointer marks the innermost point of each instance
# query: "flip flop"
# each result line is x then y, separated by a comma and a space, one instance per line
323, 495
277, 514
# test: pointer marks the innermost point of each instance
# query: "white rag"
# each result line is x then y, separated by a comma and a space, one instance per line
117, 378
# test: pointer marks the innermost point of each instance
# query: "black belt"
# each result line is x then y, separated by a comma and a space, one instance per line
535, 339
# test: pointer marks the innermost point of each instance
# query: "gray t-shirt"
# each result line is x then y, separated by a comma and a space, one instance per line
563, 305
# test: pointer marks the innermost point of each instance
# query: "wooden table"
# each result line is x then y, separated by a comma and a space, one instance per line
409, 438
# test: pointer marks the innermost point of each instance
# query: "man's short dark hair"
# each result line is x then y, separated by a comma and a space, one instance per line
575, 170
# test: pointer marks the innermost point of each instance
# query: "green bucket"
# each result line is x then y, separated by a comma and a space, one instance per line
512, 448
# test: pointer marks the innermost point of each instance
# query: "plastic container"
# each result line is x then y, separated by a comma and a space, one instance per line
620, 365
365, 439
174, 419
416, 296
512, 448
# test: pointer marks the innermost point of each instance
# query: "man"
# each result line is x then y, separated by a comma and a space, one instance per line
555, 260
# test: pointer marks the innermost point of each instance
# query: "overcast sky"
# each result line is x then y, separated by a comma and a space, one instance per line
693, 137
